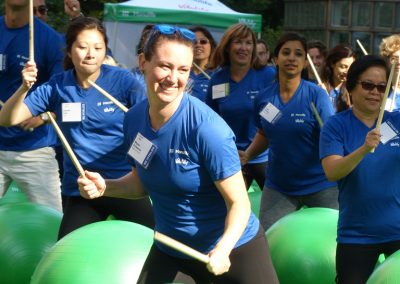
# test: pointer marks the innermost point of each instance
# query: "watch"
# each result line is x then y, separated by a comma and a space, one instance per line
45, 117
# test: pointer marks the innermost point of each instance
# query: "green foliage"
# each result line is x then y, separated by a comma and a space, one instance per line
271, 36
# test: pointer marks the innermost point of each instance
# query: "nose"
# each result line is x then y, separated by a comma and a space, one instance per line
173, 76
90, 53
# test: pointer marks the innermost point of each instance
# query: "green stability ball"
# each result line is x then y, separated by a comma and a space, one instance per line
13, 195
303, 246
103, 252
27, 231
387, 272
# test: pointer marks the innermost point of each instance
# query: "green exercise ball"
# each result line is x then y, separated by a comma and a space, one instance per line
103, 252
303, 246
27, 231
255, 200
13, 195
387, 272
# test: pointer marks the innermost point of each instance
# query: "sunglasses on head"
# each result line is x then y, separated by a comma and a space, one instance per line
368, 86
42, 10
170, 30
202, 41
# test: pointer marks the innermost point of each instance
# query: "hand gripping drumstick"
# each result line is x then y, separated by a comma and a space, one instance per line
387, 91
181, 247
108, 96
68, 148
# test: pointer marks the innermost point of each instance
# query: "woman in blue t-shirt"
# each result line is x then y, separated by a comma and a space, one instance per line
235, 86
289, 127
91, 123
369, 183
184, 157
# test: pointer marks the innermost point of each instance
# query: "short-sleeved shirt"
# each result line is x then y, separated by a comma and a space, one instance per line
91, 123
294, 167
369, 196
194, 148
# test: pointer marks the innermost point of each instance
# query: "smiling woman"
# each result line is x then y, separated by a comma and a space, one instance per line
184, 157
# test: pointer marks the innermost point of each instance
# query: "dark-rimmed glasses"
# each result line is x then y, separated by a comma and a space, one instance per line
368, 86
169, 30
202, 41
41, 9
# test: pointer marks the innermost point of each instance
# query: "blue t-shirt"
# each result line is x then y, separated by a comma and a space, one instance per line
396, 104
197, 85
237, 106
96, 134
294, 167
14, 53
369, 197
195, 147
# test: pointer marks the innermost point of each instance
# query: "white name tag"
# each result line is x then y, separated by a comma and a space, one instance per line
142, 150
270, 113
388, 132
71, 112
220, 91
3, 62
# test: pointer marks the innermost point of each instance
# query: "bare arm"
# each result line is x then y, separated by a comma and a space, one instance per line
233, 190
14, 110
259, 144
128, 186
337, 167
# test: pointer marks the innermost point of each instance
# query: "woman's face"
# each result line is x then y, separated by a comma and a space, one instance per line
88, 52
395, 58
291, 59
369, 101
241, 51
167, 72
202, 48
340, 69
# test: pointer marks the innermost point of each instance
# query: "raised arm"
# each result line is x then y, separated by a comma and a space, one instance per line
337, 167
233, 190
14, 110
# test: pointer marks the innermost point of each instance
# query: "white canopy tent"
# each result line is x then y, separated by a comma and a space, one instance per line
125, 21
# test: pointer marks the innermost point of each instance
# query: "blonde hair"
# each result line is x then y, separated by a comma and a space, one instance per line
389, 45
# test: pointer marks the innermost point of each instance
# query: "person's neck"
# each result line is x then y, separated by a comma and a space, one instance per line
366, 118
288, 86
16, 18
238, 72
83, 79
161, 113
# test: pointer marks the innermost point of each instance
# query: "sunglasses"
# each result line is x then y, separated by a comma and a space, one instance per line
169, 30
42, 10
368, 86
201, 41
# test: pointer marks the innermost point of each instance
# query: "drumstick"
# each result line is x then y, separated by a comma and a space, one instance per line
1, 103
181, 247
316, 73
317, 115
387, 91
394, 91
202, 71
108, 96
31, 39
66, 145
362, 47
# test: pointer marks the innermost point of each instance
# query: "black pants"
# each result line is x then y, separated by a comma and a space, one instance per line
250, 263
355, 263
254, 172
79, 212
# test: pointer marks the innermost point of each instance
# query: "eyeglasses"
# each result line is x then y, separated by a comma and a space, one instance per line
202, 41
42, 10
368, 86
169, 30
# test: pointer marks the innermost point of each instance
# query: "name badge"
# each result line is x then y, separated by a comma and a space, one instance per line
220, 91
271, 113
142, 150
72, 112
388, 132
3, 62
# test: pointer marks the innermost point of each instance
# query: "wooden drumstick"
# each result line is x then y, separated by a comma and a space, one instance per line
31, 34
66, 145
320, 122
181, 247
108, 96
362, 47
316, 73
202, 71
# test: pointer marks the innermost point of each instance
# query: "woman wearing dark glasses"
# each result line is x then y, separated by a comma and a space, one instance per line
369, 183
234, 88
204, 47
91, 123
288, 126
184, 157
